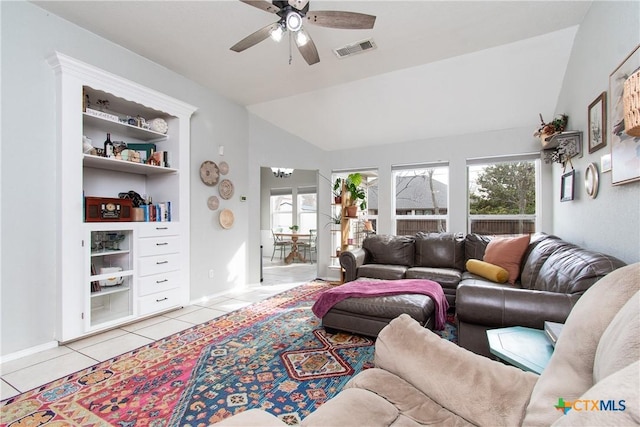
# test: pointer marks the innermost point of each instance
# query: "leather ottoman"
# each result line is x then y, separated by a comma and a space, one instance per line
367, 316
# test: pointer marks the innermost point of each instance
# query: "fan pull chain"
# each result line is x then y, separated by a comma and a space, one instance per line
290, 55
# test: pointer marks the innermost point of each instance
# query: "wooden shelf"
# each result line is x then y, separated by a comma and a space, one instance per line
98, 162
124, 129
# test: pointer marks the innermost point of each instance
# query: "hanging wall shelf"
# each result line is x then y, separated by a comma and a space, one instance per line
562, 146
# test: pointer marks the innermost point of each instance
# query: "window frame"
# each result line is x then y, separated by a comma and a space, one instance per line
395, 171
535, 158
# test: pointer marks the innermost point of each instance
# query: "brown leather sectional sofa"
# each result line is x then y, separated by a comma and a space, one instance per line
553, 276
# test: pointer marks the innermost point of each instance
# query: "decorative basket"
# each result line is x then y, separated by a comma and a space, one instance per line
631, 103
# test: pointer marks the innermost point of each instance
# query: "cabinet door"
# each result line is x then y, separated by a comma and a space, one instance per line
110, 276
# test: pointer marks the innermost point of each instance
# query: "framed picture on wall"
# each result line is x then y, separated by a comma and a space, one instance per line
625, 149
567, 185
598, 123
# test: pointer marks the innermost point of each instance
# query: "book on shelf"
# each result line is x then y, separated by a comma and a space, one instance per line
158, 212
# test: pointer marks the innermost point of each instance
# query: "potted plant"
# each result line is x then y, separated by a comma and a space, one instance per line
294, 228
356, 194
337, 191
547, 130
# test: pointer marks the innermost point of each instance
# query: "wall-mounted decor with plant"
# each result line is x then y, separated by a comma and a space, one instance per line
547, 130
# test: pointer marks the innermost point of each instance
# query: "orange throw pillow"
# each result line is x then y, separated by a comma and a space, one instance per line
507, 252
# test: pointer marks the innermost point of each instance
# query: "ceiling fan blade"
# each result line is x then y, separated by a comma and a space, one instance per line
298, 4
255, 38
308, 50
267, 6
344, 20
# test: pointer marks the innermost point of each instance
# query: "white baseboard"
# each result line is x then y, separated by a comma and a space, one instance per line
28, 351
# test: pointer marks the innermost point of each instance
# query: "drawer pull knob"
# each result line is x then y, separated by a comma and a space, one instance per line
162, 262
162, 244
162, 228
163, 299
162, 281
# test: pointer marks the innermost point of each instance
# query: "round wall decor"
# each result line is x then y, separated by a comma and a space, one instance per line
213, 202
209, 173
224, 168
591, 180
226, 218
226, 189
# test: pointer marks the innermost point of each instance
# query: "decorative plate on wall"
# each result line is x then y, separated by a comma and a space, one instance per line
224, 168
226, 189
213, 202
158, 125
209, 173
226, 218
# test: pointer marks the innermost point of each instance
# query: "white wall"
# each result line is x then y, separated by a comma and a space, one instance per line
29, 36
611, 222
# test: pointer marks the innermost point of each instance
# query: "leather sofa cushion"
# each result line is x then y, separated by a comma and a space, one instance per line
443, 250
573, 270
387, 249
475, 245
419, 307
382, 271
448, 278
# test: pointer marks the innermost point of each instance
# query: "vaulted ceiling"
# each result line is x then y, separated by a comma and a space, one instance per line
440, 68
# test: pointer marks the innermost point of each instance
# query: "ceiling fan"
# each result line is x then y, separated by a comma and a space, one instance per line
292, 14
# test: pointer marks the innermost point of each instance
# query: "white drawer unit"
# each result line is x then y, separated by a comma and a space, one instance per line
158, 264
155, 229
158, 282
158, 301
150, 246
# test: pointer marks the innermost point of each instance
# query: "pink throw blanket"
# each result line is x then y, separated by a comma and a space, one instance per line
378, 288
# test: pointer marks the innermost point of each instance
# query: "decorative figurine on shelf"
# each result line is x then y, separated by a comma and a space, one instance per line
546, 130
103, 104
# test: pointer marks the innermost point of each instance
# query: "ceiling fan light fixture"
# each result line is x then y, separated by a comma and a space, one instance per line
294, 21
277, 33
301, 38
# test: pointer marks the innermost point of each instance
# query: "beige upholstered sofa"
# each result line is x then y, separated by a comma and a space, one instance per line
421, 379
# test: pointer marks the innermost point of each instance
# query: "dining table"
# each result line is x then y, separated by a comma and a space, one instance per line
295, 253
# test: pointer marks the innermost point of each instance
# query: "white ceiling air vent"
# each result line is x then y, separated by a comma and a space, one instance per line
354, 48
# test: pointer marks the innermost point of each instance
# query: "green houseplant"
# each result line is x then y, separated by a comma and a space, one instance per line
357, 194
337, 191
294, 228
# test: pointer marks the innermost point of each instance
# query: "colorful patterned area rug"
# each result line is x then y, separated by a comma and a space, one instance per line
272, 355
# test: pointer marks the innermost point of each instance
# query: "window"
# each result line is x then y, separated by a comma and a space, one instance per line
421, 198
503, 195
307, 208
281, 210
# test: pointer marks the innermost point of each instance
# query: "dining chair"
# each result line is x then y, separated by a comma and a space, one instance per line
310, 245
280, 244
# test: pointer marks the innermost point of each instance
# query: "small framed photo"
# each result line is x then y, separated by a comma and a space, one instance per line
598, 123
605, 163
566, 190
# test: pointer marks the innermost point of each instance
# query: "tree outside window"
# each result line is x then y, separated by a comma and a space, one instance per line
421, 199
502, 198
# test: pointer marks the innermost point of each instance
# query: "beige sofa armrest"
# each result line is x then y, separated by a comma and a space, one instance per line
478, 389
252, 417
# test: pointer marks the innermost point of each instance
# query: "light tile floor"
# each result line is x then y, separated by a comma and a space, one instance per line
32, 371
